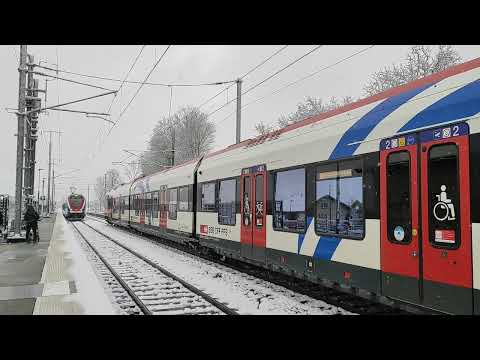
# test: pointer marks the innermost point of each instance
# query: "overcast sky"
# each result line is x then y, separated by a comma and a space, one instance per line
83, 144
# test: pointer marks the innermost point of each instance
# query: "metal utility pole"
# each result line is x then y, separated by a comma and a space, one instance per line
53, 185
33, 132
38, 187
105, 194
27, 175
20, 138
50, 182
43, 195
49, 172
173, 146
239, 110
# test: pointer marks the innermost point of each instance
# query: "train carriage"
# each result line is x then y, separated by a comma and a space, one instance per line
162, 204
74, 207
378, 195
119, 200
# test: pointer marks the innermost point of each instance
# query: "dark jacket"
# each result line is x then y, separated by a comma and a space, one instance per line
31, 216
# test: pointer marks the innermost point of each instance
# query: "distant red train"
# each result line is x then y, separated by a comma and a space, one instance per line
74, 207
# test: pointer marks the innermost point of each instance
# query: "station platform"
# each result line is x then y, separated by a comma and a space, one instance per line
52, 277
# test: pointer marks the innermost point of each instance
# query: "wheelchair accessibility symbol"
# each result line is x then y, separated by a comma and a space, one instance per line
443, 209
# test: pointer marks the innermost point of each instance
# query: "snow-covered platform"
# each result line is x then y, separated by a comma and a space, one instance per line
51, 277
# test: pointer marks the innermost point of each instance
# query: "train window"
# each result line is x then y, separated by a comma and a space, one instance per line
247, 219
155, 204
289, 201
259, 206
226, 204
183, 199
208, 197
163, 200
339, 200
399, 220
148, 203
443, 194
172, 204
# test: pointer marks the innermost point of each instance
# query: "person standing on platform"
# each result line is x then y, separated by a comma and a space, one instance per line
31, 218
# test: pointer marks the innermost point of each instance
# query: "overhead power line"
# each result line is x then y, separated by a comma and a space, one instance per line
264, 61
300, 80
138, 90
282, 69
248, 73
69, 80
138, 82
126, 76
99, 134
269, 77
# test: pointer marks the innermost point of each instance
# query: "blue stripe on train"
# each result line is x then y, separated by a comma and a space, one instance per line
461, 103
301, 237
327, 245
364, 126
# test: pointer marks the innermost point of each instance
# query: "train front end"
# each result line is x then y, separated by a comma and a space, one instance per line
76, 207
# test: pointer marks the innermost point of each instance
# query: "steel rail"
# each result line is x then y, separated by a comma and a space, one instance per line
127, 288
190, 287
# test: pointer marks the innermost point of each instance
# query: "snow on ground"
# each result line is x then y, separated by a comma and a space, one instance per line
66, 260
246, 293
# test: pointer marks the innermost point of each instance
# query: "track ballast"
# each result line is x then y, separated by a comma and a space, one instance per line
330, 293
154, 290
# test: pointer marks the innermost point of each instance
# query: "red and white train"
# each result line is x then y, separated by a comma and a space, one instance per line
379, 195
74, 207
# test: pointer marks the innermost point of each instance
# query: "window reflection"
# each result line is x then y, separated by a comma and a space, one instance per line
289, 209
226, 206
339, 201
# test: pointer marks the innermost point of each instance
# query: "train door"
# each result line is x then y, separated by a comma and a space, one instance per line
142, 208
148, 208
253, 201
426, 245
163, 207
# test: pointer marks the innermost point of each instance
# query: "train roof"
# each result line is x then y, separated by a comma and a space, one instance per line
448, 96
179, 175
120, 190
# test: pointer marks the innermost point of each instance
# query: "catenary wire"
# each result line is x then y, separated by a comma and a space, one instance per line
139, 82
269, 77
300, 80
138, 90
248, 73
126, 76
120, 87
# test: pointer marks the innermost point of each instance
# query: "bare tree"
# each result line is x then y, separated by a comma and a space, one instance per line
133, 170
311, 107
104, 184
420, 61
161, 149
183, 136
196, 134
263, 129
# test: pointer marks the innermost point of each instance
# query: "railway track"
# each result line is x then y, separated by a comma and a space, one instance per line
152, 289
335, 295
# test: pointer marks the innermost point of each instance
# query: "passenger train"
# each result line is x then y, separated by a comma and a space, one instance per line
74, 207
380, 195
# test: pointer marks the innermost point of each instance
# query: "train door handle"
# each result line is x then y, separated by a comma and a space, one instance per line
414, 253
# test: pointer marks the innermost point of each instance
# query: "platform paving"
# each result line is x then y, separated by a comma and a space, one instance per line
51, 277
21, 266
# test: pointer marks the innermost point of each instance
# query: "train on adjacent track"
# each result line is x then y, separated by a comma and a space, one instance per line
74, 207
379, 195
